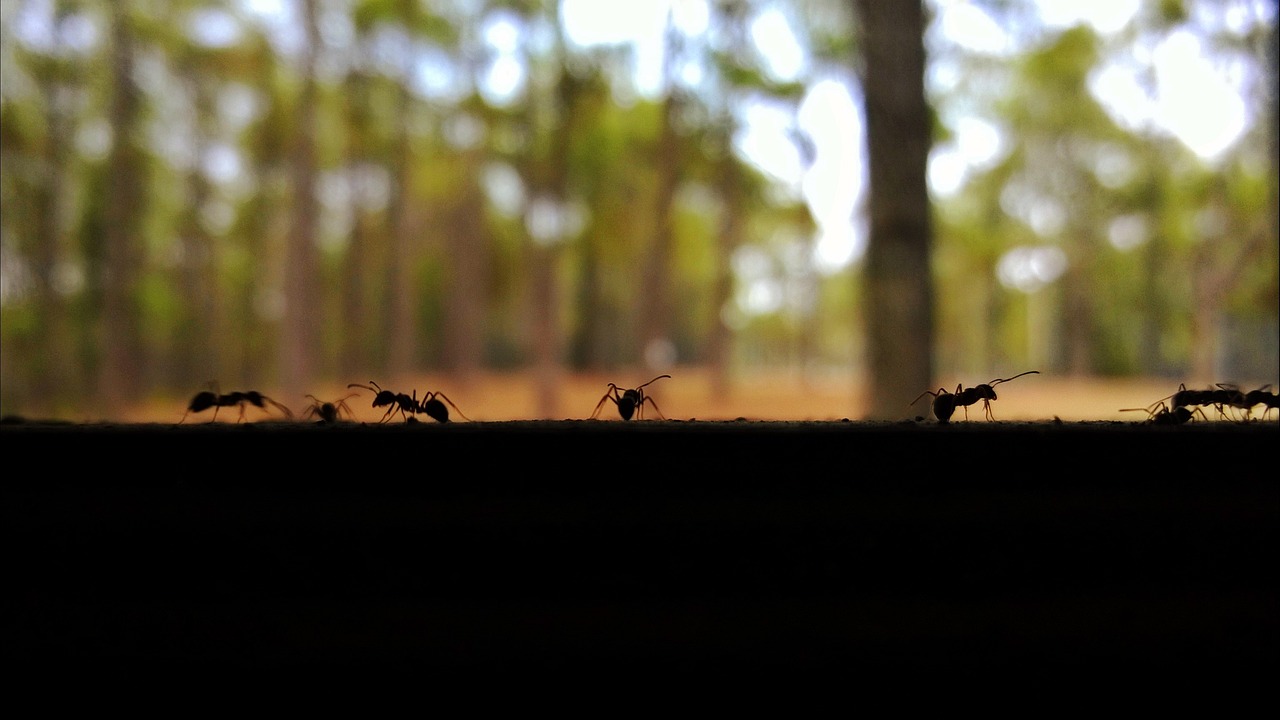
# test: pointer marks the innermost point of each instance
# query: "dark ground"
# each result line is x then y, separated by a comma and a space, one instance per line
1081, 555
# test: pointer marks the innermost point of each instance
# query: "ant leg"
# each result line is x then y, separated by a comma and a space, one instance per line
607, 396
455, 407
651, 401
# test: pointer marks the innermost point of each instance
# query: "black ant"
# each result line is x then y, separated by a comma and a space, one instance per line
629, 402
1178, 415
394, 402
329, 412
435, 409
1224, 396
945, 403
210, 399
1261, 396
1232, 396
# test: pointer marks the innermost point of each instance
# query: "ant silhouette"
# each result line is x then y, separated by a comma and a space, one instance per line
329, 412
435, 409
630, 402
1178, 415
1262, 396
394, 402
944, 403
1223, 396
212, 399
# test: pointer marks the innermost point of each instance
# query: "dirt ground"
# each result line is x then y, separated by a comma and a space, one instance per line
689, 394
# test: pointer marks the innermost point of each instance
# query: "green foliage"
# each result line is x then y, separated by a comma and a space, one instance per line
422, 152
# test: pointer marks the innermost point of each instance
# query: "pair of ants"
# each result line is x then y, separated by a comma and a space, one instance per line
945, 403
1185, 404
629, 402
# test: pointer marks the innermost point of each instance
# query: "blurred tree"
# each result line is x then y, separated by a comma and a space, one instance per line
300, 331
897, 275
120, 376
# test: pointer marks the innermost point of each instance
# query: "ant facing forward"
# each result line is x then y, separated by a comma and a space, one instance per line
211, 399
629, 402
944, 403
329, 412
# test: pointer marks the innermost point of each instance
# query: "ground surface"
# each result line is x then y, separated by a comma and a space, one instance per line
1104, 553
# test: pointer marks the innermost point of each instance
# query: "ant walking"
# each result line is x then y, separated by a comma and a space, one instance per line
1221, 397
393, 402
629, 402
213, 399
408, 405
434, 409
329, 412
1262, 396
1177, 415
944, 403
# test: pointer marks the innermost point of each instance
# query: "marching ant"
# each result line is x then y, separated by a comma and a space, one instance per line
1178, 415
944, 403
1223, 396
329, 412
209, 399
393, 402
435, 409
629, 402
1261, 396
409, 406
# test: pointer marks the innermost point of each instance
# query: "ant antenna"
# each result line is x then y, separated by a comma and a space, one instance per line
1015, 377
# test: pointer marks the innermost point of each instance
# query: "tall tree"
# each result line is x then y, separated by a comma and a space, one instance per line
300, 333
120, 331
655, 292
898, 295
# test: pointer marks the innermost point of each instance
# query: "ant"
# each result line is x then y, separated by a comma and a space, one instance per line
1224, 396
1261, 396
1232, 396
435, 409
211, 399
630, 401
394, 402
1178, 415
945, 403
329, 412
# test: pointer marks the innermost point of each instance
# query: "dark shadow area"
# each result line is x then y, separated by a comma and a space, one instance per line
1110, 553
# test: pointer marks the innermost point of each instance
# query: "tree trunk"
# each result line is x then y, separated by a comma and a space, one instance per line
121, 337
897, 277
467, 261
52, 383
199, 333
655, 298
732, 231
301, 296
401, 300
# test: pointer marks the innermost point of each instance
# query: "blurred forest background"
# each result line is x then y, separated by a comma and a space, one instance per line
295, 195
